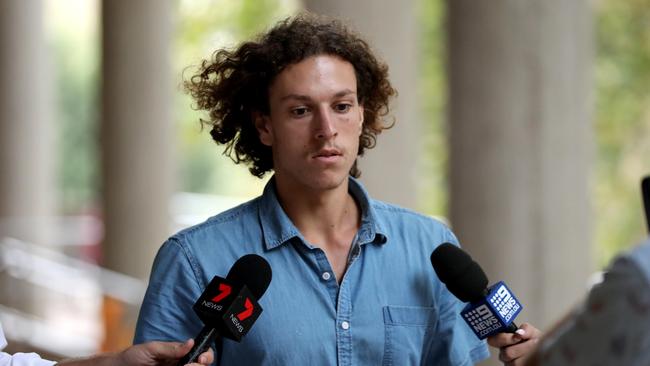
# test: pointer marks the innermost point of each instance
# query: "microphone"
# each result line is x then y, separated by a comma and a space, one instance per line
228, 307
490, 310
645, 189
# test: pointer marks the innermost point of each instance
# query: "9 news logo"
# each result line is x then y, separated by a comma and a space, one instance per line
492, 313
505, 303
482, 320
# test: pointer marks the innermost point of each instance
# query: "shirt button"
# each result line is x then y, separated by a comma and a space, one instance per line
326, 276
345, 325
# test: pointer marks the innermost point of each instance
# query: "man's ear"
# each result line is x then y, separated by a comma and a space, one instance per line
263, 127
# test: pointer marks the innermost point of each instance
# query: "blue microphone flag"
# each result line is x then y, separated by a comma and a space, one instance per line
493, 313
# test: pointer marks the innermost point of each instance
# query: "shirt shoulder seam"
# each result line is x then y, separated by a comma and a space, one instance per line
183, 246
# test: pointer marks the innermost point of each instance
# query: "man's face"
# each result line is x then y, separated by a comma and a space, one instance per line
314, 123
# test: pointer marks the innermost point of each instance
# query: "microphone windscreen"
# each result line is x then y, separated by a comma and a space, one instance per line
463, 277
253, 271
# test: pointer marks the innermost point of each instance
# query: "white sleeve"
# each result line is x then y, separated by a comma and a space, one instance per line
20, 359
23, 359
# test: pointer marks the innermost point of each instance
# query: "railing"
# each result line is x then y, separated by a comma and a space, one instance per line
53, 302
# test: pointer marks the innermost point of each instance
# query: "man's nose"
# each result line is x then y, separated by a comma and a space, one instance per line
325, 128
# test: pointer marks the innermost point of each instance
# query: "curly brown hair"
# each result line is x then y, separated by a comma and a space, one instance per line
234, 84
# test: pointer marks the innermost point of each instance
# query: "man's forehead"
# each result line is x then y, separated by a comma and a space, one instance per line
316, 76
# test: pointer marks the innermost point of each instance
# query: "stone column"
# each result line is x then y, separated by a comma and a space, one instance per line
137, 144
389, 171
136, 132
27, 138
521, 145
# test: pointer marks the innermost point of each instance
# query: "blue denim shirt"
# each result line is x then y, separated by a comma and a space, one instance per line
390, 308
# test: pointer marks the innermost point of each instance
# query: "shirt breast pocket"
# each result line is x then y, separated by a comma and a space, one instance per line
407, 330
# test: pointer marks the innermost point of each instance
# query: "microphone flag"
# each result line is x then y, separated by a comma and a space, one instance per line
493, 313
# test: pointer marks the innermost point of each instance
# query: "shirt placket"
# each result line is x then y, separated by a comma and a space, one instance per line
341, 297
344, 312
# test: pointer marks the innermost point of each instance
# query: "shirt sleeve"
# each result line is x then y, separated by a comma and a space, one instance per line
20, 359
166, 313
611, 327
453, 342
23, 359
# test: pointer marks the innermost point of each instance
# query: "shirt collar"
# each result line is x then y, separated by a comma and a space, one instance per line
278, 228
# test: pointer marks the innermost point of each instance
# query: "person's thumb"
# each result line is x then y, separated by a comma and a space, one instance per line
170, 350
182, 349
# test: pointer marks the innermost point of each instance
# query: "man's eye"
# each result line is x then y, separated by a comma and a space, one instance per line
342, 107
299, 111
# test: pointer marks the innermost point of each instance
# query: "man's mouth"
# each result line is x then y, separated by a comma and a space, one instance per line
327, 154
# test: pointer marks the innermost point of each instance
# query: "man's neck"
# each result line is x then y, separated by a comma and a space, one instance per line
328, 219
319, 214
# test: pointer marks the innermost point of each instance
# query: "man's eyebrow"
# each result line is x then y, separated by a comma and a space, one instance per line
296, 97
344, 92
306, 98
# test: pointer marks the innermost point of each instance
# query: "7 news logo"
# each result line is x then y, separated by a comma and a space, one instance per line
224, 292
248, 310
230, 307
236, 319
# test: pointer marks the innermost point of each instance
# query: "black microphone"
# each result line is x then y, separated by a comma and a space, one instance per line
228, 307
645, 189
490, 310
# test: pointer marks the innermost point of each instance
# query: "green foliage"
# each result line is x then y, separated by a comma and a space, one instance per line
75, 60
432, 96
622, 122
203, 27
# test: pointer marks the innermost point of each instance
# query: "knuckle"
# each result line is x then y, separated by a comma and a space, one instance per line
508, 354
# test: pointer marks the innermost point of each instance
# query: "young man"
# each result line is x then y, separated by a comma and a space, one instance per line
352, 282
148, 354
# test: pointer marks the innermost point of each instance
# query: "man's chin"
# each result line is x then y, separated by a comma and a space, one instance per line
330, 181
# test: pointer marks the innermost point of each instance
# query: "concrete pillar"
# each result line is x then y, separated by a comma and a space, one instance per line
521, 145
27, 143
388, 171
136, 132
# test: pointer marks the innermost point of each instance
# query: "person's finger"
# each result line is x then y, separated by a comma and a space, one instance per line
517, 351
184, 347
526, 331
206, 357
500, 340
530, 331
169, 350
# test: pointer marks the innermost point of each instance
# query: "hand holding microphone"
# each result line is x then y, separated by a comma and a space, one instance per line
491, 310
228, 307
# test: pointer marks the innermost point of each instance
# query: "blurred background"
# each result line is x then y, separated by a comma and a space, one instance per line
525, 125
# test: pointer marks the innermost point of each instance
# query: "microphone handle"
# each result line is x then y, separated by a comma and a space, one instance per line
202, 342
